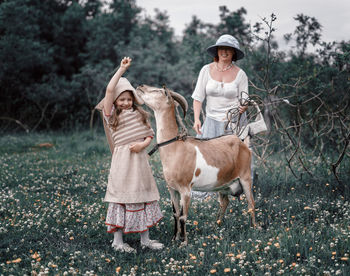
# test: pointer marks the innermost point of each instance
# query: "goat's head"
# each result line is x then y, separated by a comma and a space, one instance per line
160, 98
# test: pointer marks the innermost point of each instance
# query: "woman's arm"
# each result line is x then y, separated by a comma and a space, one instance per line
197, 106
108, 102
198, 97
243, 89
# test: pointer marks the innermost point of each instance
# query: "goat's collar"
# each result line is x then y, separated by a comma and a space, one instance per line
179, 137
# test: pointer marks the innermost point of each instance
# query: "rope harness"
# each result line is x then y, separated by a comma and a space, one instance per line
157, 146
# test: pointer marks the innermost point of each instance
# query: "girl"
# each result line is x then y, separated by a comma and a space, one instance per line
131, 191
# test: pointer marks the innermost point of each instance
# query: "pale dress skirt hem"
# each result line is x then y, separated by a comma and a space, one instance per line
132, 218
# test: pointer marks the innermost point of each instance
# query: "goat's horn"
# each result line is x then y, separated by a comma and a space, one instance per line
181, 100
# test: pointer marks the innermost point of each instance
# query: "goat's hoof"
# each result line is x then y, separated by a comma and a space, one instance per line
175, 238
183, 244
255, 226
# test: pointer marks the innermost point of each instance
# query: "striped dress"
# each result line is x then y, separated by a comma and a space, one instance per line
131, 190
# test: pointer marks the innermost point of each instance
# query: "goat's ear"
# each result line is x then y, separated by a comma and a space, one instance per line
168, 95
165, 91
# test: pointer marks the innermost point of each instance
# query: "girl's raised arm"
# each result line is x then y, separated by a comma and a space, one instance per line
108, 102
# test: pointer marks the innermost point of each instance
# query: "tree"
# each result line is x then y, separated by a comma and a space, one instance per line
234, 23
307, 32
110, 31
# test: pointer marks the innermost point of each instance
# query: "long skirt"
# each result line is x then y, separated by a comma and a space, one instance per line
132, 218
212, 128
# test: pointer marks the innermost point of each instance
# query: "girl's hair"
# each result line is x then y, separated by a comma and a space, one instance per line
114, 120
234, 57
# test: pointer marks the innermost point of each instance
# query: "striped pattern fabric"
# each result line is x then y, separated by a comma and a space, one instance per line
130, 128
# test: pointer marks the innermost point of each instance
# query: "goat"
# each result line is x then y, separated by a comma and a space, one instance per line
193, 164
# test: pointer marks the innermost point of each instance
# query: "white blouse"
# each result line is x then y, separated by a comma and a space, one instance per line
220, 96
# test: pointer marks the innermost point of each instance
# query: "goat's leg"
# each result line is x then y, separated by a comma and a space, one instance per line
175, 200
175, 222
185, 205
224, 201
247, 188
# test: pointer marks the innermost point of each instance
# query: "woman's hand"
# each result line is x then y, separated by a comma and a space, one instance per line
125, 63
197, 126
242, 108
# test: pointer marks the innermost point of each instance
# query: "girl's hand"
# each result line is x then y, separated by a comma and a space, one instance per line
197, 127
125, 63
242, 108
136, 147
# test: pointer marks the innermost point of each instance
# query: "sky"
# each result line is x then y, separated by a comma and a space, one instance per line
333, 15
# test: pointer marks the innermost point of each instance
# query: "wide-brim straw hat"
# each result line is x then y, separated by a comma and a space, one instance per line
226, 40
122, 86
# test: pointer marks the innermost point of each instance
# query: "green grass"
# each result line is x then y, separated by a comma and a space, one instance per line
52, 219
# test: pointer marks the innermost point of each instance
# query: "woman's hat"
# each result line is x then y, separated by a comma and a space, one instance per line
226, 40
122, 86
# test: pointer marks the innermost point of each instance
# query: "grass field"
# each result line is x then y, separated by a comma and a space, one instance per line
52, 219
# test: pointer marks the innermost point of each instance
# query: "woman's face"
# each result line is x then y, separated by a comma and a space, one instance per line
225, 53
125, 100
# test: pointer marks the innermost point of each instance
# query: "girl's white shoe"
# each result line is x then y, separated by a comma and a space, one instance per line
124, 247
152, 244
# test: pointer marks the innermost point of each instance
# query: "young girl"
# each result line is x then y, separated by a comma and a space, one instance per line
131, 191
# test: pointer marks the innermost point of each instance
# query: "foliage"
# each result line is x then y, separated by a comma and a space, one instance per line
58, 58
234, 23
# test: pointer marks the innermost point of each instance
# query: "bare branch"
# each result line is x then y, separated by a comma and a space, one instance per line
25, 127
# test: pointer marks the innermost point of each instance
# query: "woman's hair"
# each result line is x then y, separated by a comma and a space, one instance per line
234, 57
114, 120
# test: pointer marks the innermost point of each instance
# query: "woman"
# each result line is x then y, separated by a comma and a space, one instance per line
222, 84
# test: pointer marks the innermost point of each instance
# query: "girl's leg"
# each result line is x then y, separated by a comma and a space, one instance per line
145, 237
152, 244
118, 237
119, 245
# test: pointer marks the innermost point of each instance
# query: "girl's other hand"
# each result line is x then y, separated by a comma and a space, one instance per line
125, 63
136, 147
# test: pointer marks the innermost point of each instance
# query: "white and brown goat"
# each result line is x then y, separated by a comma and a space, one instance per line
199, 165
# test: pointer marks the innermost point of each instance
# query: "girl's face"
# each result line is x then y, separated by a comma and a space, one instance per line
125, 100
225, 53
